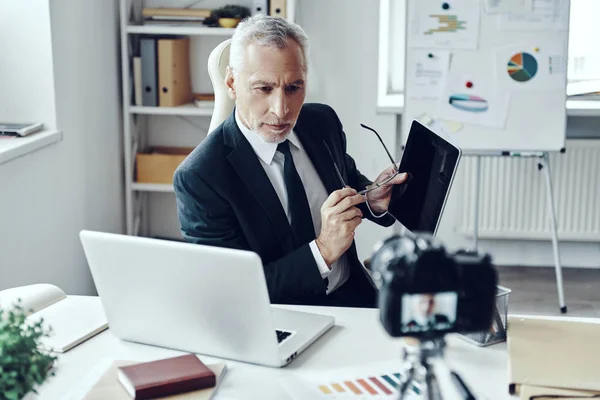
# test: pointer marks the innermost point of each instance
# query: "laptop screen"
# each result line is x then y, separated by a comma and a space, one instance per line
432, 163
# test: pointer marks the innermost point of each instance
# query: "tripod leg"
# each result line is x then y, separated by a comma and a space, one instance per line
476, 208
552, 211
433, 387
406, 383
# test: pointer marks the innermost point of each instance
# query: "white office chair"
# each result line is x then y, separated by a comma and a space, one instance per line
217, 68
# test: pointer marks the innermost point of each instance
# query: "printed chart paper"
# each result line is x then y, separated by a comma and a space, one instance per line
453, 24
472, 98
512, 6
531, 66
375, 382
426, 73
449, 130
546, 15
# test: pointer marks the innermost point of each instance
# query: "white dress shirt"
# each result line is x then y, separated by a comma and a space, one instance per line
272, 161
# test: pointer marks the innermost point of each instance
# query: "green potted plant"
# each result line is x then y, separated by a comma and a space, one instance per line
230, 15
23, 365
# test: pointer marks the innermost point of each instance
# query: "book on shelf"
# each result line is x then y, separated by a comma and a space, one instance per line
204, 100
176, 12
137, 80
73, 319
171, 18
155, 22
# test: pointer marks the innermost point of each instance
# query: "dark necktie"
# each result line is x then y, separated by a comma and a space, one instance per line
301, 219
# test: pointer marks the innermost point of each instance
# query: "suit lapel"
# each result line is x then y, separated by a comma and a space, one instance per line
313, 143
245, 162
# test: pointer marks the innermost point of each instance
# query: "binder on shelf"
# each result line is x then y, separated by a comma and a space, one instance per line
260, 7
149, 72
174, 78
277, 8
137, 81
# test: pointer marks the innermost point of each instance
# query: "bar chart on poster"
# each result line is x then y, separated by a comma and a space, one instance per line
490, 75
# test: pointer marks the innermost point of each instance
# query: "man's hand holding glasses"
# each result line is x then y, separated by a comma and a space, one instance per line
379, 193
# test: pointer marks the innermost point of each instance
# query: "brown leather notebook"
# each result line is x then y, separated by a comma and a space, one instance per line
166, 377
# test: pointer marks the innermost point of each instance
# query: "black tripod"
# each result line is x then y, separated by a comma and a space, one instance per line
419, 371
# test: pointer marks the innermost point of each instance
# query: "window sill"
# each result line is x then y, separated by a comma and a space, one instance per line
575, 108
11, 148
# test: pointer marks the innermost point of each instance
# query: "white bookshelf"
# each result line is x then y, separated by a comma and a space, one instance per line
143, 126
137, 120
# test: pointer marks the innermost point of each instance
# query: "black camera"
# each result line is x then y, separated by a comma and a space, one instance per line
426, 292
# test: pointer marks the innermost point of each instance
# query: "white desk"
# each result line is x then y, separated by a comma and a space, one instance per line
357, 338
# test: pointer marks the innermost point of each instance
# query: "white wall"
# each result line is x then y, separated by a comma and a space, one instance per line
48, 196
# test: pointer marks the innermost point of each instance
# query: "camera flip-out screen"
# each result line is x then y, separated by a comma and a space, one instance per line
428, 312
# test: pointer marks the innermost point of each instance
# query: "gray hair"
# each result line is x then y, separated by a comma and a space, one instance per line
265, 31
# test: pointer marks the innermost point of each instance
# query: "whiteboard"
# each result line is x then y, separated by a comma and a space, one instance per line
506, 92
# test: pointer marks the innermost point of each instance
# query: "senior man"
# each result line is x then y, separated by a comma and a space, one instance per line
265, 180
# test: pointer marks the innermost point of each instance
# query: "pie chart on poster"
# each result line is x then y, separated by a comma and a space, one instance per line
522, 67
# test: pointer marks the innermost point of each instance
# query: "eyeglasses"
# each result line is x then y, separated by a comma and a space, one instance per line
376, 184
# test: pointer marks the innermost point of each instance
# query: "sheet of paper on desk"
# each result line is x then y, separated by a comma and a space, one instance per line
73, 320
376, 381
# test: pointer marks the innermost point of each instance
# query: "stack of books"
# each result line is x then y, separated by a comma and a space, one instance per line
184, 377
553, 357
175, 16
584, 90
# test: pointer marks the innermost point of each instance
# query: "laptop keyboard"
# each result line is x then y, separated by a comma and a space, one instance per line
282, 335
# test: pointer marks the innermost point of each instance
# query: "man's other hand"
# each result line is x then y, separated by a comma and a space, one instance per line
379, 199
339, 218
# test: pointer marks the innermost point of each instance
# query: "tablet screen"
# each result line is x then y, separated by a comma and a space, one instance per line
431, 162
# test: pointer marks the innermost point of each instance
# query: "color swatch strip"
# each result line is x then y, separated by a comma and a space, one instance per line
374, 385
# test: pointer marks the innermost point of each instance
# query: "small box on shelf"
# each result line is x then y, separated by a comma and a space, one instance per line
159, 163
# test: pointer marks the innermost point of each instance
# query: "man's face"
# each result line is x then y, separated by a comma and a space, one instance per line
425, 304
270, 89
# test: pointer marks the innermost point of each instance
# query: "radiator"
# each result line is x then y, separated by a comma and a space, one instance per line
513, 201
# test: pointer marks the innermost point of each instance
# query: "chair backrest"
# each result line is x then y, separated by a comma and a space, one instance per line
217, 68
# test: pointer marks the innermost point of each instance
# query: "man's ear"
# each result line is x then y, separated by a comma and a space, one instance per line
230, 83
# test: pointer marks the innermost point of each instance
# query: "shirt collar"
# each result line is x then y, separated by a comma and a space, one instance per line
265, 151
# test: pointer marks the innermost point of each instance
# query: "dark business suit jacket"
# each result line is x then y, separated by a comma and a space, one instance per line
224, 198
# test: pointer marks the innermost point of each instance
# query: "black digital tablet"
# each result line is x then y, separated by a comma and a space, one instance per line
432, 163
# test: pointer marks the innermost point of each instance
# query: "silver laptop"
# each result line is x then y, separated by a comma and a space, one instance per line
195, 298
